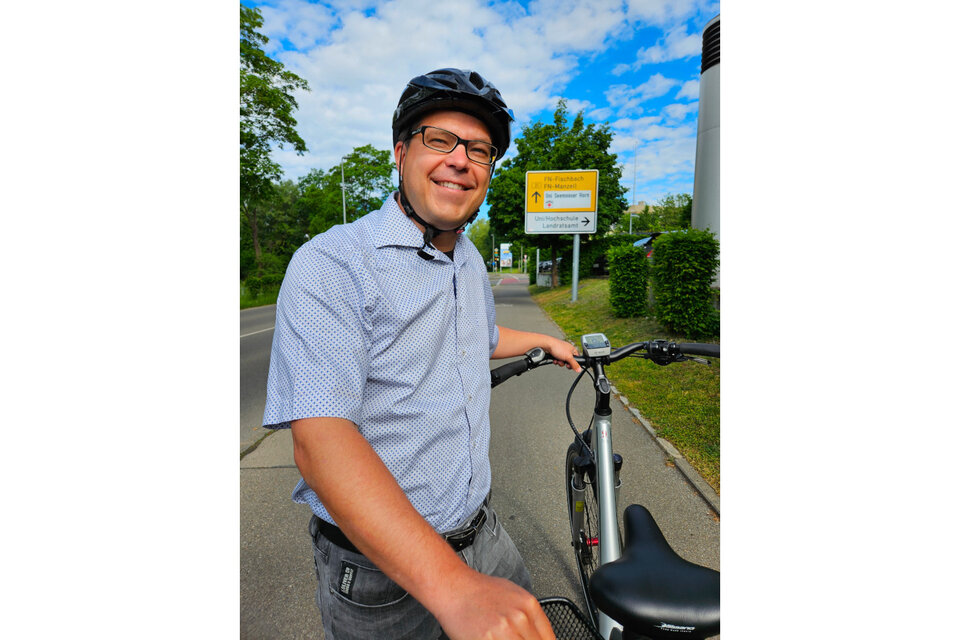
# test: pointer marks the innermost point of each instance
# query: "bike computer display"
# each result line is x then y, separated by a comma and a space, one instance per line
595, 345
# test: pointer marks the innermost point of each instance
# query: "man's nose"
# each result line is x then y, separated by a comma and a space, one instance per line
458, 157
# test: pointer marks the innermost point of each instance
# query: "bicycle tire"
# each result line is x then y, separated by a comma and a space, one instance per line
585, 555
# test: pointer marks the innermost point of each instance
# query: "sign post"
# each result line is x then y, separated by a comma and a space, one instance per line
562, 202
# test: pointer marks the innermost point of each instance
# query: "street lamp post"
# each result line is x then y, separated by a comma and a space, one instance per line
343, 193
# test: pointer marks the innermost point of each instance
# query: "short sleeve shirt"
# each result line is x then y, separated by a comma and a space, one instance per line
368, 331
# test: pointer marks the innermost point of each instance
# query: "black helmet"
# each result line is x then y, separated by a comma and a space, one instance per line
459, 90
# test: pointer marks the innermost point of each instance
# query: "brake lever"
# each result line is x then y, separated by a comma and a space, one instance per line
537, 356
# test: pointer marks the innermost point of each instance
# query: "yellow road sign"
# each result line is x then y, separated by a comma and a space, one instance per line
562, 201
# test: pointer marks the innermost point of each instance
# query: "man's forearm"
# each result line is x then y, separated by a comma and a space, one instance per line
369, 506
515, 343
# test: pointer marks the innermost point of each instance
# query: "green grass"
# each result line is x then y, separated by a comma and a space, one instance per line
681, 401
267, 296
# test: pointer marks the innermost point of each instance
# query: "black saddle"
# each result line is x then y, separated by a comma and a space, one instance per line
653, 591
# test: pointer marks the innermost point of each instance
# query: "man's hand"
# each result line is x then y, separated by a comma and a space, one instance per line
488, 608
563, 353
516, 343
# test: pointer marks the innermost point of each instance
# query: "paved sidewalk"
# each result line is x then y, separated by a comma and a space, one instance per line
530, 436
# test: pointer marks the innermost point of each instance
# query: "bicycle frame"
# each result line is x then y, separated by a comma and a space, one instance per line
591, 457
610, 543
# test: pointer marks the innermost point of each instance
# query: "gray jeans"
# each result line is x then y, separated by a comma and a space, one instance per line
357, 601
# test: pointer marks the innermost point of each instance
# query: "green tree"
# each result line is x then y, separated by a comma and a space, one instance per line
674, 211
367, 178
479, 234
555, 146
266, 119
670, 213
646, 220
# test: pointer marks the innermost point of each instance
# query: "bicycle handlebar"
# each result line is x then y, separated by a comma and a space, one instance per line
659, 351
699, 349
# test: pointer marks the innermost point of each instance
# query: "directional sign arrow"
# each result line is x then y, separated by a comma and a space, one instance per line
586, 222
536, 196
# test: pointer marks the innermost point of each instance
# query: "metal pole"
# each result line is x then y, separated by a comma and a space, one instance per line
343, 192
576, 265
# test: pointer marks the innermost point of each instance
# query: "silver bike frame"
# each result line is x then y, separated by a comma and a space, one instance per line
606, 494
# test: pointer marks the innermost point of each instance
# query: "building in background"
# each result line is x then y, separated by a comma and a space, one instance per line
706, 177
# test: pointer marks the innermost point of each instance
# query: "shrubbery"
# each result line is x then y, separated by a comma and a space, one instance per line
590, 253
629, 272
684, 266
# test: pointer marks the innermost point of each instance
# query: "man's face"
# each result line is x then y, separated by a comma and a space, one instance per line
444, 188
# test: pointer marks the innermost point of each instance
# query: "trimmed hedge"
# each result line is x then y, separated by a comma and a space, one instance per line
629, 273
590, 252
684, 266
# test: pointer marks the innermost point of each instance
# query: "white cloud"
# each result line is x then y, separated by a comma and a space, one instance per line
677, 44
301, 23
358, 56
679, 111
661, 12
626, 99
690, 89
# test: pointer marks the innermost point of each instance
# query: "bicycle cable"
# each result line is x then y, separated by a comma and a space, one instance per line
576, 433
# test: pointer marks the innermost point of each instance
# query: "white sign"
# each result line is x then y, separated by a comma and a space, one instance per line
566, 199
561, 201
561, 223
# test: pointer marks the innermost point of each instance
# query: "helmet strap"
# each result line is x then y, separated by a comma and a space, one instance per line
429, 230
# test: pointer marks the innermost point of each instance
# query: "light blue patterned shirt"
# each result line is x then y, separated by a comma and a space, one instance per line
368, 331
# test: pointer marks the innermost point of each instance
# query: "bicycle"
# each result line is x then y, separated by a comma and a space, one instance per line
635, 586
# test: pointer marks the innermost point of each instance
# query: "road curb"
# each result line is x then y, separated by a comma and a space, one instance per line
709, 495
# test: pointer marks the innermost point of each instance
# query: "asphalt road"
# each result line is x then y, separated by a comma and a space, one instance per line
529, 442
256, 337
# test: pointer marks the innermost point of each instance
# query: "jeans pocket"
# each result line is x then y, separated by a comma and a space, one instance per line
363, 585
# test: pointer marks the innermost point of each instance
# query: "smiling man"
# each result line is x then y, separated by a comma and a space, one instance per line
384, 331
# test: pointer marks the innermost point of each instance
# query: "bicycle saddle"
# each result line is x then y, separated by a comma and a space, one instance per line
653, 591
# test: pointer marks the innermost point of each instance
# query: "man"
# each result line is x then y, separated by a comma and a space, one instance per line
384, 330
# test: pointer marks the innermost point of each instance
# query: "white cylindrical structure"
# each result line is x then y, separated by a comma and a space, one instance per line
706, 177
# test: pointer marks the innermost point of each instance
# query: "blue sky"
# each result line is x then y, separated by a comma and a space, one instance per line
633, 63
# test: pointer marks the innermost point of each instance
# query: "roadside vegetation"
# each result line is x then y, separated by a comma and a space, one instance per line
681, 401
260, 297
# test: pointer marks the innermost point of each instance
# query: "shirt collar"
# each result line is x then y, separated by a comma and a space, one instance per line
396, 229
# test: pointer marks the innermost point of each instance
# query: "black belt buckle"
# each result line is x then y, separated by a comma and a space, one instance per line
463, 539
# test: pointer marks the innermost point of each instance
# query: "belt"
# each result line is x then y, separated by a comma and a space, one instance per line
458, 540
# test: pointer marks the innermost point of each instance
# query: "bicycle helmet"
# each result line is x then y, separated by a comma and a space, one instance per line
459, 90
456, 90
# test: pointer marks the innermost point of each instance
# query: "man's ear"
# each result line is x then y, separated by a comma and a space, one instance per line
398, 154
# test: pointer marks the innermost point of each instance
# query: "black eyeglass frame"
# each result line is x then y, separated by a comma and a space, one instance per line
422, 129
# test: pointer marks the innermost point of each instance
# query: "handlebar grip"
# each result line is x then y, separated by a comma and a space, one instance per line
699, 349
506, 371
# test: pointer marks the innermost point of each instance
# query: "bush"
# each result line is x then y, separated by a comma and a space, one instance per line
272, 279
684, 266
254, 285
629, 272
532, 270
590, 253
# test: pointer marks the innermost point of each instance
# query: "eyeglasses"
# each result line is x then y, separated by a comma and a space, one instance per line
445, 142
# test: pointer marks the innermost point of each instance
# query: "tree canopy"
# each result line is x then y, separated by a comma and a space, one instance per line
671, 212
266, 107
555, 146
266, 119
367, 178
